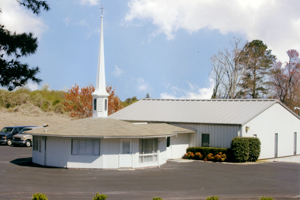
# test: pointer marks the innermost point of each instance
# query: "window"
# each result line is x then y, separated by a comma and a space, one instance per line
37, 143
148, 150
168, 141
105, 104
95, 104
85, 147
205, 140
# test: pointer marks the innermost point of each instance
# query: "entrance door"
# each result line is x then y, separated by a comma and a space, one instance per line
125, 153
169, 148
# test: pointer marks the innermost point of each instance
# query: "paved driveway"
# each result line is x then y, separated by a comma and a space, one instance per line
174, 180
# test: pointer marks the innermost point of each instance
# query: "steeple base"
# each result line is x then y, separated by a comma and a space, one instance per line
100, 106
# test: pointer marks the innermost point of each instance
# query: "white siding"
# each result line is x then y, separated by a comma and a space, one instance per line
276, 119
162, 148
37, 156
57, 151
58, 154
220, 135
178, 145
110, 149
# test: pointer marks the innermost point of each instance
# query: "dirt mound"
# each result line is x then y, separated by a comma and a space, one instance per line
28, 114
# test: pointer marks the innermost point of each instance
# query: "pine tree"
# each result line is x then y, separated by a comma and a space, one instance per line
257, 60
13, 73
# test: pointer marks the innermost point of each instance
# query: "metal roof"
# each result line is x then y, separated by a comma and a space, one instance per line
109, 128
215, 111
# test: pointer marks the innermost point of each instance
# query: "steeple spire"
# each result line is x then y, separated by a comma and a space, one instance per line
100, 95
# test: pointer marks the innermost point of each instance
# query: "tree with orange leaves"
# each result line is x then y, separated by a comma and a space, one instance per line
79, 101
114, 103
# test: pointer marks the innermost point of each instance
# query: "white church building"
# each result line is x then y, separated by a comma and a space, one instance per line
102, 142
151, 131
218, 121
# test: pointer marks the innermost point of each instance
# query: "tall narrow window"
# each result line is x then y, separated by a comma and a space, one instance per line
276, 145
95, 104
205, 140
168, 141
105, 104
295, 142
37, 143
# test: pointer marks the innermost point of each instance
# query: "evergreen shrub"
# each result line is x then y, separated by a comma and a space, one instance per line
157, 198
39, 196
254, 149
240, 149
266, 198
99, 196
207, 150
212, 198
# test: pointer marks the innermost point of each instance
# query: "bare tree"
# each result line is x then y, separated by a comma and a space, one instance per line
286, 80
227, 72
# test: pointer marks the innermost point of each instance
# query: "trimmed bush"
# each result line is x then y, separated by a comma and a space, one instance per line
198, 156
254, 149
210, 156
212, 198
189, 155
207, 150
99, 196
157, 198
240, 149
266, 198
220, 157
39, 196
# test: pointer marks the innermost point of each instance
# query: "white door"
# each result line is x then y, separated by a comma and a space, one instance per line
169, 152
125, 153
169, 148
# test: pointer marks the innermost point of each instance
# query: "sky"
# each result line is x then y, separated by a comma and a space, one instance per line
160, 47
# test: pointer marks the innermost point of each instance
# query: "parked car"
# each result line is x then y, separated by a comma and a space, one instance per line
8, 132
22, 138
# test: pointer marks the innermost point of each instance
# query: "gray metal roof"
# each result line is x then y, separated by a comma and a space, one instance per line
216, 111
109, 128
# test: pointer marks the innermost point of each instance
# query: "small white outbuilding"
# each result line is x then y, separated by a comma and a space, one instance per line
217, 122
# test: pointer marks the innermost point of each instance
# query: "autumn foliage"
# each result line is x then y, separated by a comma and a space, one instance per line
79, 102
114, 103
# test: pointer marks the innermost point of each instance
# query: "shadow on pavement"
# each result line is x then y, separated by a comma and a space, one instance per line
27, 162
23, 161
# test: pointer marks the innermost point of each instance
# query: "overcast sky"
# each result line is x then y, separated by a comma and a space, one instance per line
160, 47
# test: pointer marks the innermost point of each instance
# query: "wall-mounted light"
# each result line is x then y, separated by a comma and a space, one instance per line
247, 129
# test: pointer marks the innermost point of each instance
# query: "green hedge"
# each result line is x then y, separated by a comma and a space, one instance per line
254, 149
245, 149
207, 150
39, 196
240, 149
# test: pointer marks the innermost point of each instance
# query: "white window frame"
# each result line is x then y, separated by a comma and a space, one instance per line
154, 153
83, 150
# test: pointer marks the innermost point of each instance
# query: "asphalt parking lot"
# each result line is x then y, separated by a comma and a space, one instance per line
174, 180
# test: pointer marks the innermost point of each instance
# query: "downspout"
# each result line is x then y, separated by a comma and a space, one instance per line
241, 131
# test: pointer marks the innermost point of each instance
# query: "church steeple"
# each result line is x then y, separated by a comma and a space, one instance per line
100, 100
